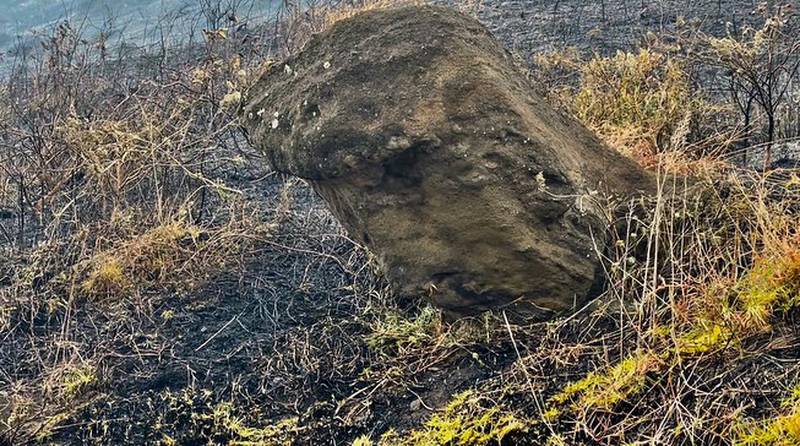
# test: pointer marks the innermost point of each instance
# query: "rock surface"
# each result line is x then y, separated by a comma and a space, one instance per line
433, 150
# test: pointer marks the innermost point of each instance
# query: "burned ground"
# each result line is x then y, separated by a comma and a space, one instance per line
292, 337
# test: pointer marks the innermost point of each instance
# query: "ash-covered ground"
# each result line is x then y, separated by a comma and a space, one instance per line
288, 338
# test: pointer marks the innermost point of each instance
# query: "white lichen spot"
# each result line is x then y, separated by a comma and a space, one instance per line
397, 143
287, 69
275, 123
326, 65
541, 184
260, 112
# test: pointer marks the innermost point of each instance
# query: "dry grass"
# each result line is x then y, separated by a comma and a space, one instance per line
159, 287
641, 103
116, 175
705, 278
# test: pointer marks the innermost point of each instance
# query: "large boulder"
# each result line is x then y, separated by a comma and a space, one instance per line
432, 149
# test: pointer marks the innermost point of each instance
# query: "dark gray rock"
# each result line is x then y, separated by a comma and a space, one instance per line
432, 148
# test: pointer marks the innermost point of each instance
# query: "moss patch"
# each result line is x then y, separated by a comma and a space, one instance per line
605, 388
782, 430
468, 420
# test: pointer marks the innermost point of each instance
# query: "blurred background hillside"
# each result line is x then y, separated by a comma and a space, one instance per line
25, 24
